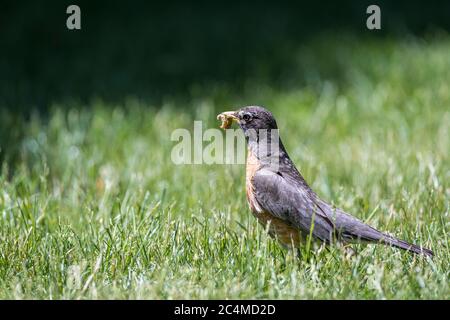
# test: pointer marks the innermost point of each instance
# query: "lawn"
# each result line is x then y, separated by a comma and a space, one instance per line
92, 206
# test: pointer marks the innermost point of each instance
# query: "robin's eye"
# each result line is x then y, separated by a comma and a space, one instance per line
246, 117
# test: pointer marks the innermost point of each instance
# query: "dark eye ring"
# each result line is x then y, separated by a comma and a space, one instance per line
246, 117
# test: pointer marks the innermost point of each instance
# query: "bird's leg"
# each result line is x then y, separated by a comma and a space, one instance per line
349, 251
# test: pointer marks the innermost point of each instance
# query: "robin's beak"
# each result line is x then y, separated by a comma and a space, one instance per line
227, 118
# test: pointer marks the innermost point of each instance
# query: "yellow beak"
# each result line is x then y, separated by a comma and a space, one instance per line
227, 119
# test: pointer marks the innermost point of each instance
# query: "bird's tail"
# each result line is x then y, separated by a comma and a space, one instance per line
395, 242
358, 230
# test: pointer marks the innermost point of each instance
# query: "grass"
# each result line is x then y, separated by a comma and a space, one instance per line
92, 206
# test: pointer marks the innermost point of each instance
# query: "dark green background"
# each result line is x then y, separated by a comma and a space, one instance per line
154, 50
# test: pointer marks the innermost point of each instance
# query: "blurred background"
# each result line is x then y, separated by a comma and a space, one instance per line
155, 50
176, 51
173, 50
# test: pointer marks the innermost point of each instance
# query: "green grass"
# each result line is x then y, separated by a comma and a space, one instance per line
92, 206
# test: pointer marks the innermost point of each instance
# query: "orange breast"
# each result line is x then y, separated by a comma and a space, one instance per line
278, 228
252, 166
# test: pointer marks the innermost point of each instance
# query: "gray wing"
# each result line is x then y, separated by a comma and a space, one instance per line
292, 203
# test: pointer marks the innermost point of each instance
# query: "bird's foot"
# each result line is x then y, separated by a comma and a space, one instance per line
349, 252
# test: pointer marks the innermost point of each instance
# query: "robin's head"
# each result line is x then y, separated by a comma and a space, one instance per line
252, 117
260, 130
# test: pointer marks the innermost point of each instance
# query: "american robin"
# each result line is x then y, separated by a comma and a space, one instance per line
278, 195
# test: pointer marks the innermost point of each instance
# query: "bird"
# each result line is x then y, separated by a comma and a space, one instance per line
281, 199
